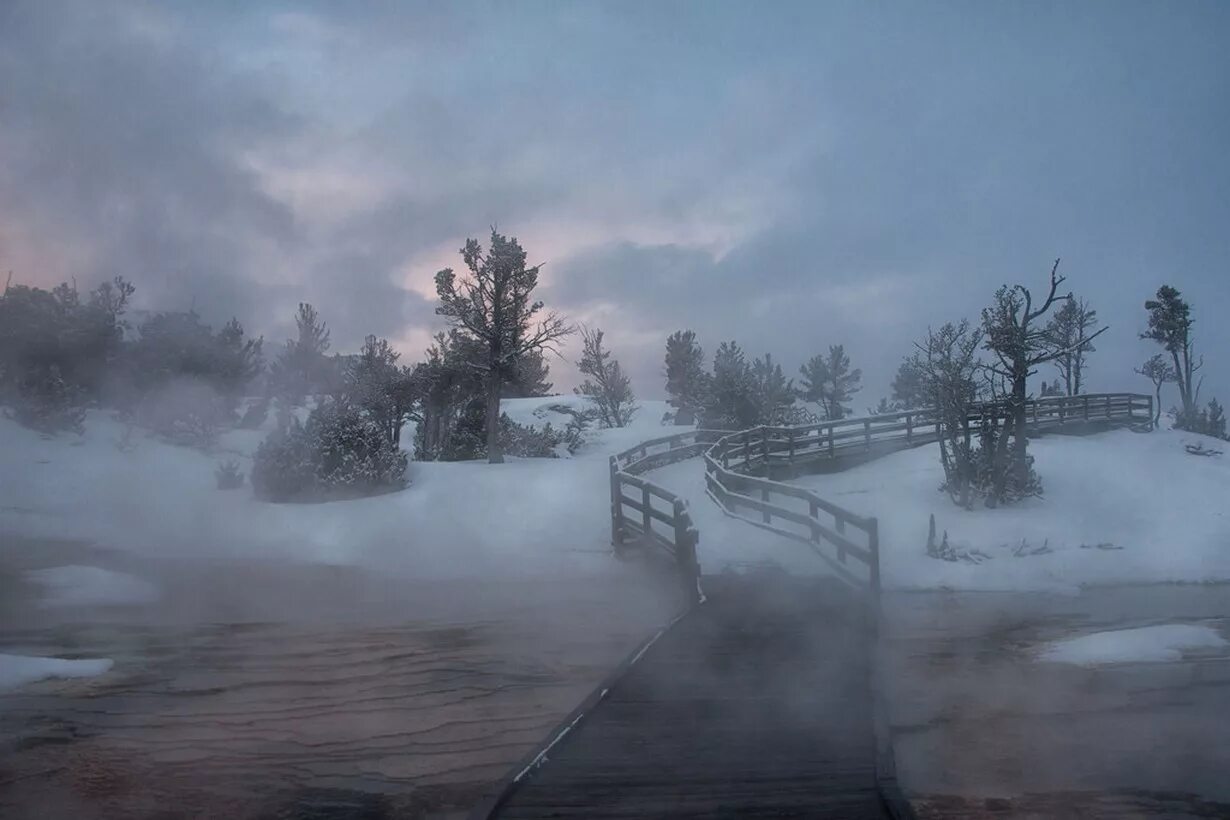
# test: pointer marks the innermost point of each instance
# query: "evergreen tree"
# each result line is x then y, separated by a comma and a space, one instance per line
729, 401
530, 377
910, 389
493, 304
771, 393
830, 382
607, 386
686, 380
302, 369
1070, 324
1170, 325
382, 389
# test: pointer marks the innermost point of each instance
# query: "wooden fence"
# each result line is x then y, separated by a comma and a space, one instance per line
651, 515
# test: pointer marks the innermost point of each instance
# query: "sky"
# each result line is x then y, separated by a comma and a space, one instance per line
789, 175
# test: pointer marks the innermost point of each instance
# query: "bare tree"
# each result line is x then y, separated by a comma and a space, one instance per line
493, 305
1020, 344
1159, 371
607, 386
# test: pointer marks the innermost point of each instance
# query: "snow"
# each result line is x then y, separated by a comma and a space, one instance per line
77, 585
1148, 644
1118, 507
19, 670
525, 517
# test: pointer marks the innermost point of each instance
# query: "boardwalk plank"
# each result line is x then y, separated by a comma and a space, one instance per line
755, 705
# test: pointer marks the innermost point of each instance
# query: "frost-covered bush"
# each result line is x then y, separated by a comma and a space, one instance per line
186, 412
529, 442
47, 403
338, 452
1209, 420
255, 415
228, 475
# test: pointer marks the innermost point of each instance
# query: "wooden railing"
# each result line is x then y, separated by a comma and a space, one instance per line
652, 515
792, 511
643, 512
766, 447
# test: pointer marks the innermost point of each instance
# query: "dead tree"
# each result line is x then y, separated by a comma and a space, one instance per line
1020, 344
1157, 370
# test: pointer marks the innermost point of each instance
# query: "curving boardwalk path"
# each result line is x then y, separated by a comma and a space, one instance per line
757, 704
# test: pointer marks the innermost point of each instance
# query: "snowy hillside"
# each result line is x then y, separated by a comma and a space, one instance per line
1119, 507
526, 516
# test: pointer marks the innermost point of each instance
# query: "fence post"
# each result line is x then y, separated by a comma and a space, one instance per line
841, 530
1151, 416
1108, 405
725, 454
832, 447
764, 448
909, 429
873, 546
685, 553
1085, 404
617, 511
814, 511
867, 432
1035, 414
747, 450
790, 445
647, 519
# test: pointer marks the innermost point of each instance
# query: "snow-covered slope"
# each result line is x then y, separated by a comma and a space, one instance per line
1119, 507
1146, 644
531, 516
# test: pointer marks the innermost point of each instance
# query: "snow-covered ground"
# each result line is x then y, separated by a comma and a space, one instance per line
1146, 644
19, 670
525, 517
1119, 507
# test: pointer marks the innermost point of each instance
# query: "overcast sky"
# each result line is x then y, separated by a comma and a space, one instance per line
787, 175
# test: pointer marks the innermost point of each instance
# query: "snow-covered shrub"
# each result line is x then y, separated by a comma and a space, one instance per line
228, 475
47, 403
186, 412
529, 442
1209, 420
338, 452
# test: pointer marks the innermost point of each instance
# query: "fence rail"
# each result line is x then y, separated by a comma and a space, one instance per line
646, 513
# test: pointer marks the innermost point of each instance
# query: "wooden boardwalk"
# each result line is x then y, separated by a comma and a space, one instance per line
758, 703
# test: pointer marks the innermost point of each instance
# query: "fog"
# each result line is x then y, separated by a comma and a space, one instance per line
335, 536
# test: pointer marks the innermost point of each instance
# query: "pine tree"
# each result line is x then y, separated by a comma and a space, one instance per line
830, 382
729, 403
772, 395
910, 386
1170, 325
301, 368
607, 386
1071, 323
493, 304
686, 380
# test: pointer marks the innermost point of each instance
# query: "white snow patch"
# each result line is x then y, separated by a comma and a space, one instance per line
1118, 507
77, 585
1148, 644
18, 670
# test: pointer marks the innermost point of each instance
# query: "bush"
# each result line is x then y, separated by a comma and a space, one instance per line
228, 475
338, 453
187, 412
1209, 420
45, 402
256, 414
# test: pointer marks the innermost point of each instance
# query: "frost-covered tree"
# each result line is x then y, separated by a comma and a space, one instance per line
830, 382
686, 379
772, 394
1159, 371
451, 411
301, 369
729, 403
530, 377
947, 362
493, 303
608, 387
1170, 325
1020, 343
1073, 322
910, 386
380, 387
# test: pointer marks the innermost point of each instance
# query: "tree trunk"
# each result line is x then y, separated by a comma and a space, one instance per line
494, 454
